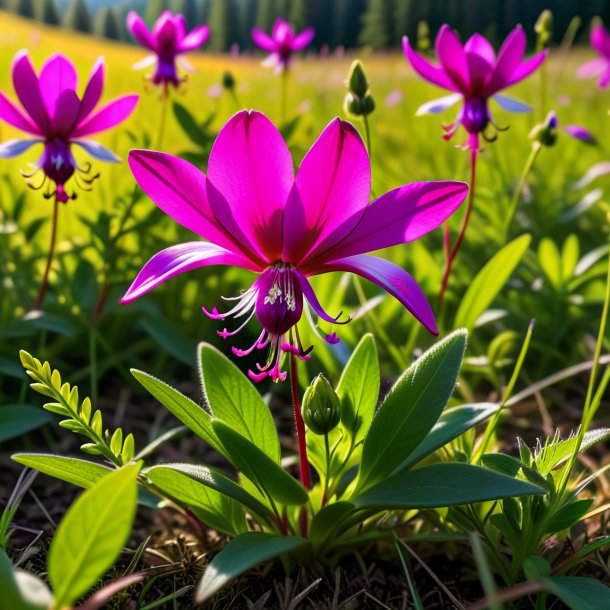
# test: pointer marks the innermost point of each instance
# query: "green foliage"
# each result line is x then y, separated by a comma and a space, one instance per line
106, 24
46, 11
19, 419
78, 17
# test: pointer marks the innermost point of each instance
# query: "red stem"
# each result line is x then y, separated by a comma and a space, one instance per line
45, 277
300, 424
451, 254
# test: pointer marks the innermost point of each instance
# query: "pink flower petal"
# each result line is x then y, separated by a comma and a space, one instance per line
66, 113
12, 115
251, 168
262, 40
56, 75
393, 280
282, 30
196, 38
303, 39
526, 68
398, 217
107, 116
593, 68
332, 186
312, 299
600, 40
509, 57
451, 55
138, 29
179, 189
481, 59
176, 260
93, 89
425, 69
27, 88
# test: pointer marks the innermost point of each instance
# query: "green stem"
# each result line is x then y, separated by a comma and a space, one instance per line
367, 132
163, 120
45, 277
93, 362
283, 97
512, 210
327, 473
238, 104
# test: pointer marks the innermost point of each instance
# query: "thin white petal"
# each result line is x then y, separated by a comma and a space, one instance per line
13, 148
508, 103
95, 149
437, 106
149, 60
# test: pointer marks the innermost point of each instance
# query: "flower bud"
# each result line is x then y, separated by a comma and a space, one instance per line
320, 409
546, 133
228, 80
544, 29
357, 82
423, 37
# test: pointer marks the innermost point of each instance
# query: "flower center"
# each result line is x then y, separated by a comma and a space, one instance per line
57, 161
475, 116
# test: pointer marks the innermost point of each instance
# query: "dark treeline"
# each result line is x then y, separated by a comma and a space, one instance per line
348, 23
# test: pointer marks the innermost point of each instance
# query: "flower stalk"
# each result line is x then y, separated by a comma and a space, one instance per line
45, 278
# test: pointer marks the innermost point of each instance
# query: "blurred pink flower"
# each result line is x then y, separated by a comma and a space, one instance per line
215, 91
600, 66
474, 74
257, 215
394, 98
55, 115
282, 44
168, 41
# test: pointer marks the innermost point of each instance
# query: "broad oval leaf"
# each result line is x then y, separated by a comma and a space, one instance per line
242, 554
489, 281
411, 409
270, 478
578, 592
91, 534
327, 522
235, 400
19, 419
440, 485
21, 590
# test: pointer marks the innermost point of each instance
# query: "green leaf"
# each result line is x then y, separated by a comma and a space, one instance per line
441, 485
189, 124
21, 590
411, 409
451, 424
242, 554
579, 593
568, 515
270, 478
19, 419
235, 400
72, 470
328, 521
556, 453
188, 412
489, 281
550, 261
170, 337
92, 534
218, 496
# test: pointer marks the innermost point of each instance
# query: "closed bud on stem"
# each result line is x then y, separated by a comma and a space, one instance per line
357, 82
320, 410
544, 29
228, 80
358, 102
423, 37
545, 133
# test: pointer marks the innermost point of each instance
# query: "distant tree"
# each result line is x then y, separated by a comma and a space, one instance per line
46, 11
248, 21
77, 17
223, 25
299, 14
25, 8
153, 9
188, 8
266, 14
377, 24
204, 11
408, 14
106, 24
346, 22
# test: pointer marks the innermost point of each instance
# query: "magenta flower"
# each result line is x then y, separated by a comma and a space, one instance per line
474, 74
256, 215
57, 117
168, 40
600, 66
282, 44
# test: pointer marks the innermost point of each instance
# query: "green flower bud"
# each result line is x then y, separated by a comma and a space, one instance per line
423, 37
546, 133
320, 410
357, 82
368, 104
544, 29
228, 80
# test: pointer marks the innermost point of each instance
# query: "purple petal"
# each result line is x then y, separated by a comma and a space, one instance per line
56, 75
393, 280
526, 68
580, 133
312, 299
12, 115
509, 57
481, 59
251, 167
138, 29
593, 68
27, 88
13, 148
179, 189
600, 40
439, 105
93, 89
511, 105
398, 217
176, 260
450, 53
303, 39
196, 38
167, 34
96, 150
332, 186
434, 74
107, 116
282, 30
263, 40
66, 113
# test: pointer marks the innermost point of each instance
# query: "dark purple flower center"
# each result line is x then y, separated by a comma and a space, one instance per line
166, 72
57, 161
279, 303
475, 114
